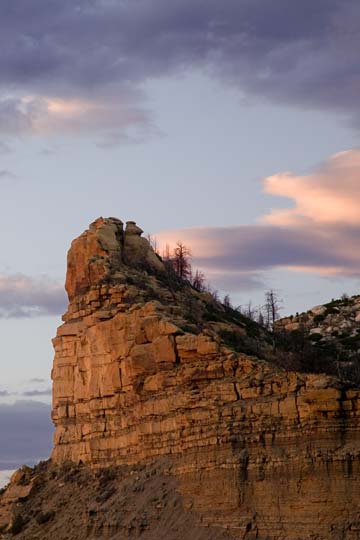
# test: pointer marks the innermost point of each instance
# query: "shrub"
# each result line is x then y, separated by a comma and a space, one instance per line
44, 517
232, 339
315, 337
17, 524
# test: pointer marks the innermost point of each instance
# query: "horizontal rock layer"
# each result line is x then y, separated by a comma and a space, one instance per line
258, 451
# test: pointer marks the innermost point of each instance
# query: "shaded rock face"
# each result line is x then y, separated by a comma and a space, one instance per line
255, 451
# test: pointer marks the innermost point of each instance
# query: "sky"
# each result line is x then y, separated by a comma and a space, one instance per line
233, 126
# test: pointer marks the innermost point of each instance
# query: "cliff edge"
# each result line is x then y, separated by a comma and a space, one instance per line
151, 375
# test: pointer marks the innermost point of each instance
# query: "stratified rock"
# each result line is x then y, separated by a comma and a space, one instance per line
148, 369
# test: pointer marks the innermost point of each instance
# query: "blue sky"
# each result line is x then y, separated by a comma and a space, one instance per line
182, 116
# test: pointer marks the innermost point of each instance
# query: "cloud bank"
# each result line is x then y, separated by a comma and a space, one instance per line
37, 393
320, 233
35, 387
75, 66
27, 431
24, 296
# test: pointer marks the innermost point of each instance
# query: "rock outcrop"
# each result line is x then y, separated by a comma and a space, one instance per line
337, 322
333, 332
148, 369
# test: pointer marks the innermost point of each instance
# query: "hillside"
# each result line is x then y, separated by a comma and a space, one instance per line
330, 335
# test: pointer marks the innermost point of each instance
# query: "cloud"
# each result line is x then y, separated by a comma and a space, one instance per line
4, 149
37, 393
24, 296
7, 175
330, 195
28, 433
43, 115
42, 391
79, 66
320, 233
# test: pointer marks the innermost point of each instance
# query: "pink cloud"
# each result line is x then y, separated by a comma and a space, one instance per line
118, 118
319, 232
331, 194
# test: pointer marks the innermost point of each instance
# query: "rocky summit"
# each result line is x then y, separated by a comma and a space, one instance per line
174, 419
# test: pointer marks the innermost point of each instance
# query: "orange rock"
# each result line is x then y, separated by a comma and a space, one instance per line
256, 449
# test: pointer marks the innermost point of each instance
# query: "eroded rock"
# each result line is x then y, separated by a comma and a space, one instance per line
256, 451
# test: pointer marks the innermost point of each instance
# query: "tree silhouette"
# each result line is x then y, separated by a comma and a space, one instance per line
181, 261
198, 281
272, 308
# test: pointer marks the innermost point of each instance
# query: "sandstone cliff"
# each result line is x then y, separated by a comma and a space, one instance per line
149, 371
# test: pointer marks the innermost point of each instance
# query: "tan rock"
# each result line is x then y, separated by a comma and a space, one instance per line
256, 449
318, 310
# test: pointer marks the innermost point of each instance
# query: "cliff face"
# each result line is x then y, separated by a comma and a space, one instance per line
148, 370
261, 451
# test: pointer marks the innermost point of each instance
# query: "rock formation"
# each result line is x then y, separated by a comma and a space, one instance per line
336, 322
147, 370
332, 331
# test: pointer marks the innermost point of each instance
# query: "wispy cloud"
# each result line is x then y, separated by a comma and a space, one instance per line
120, 118
319, 233
36, 387
36, 393
80, 66
24, 296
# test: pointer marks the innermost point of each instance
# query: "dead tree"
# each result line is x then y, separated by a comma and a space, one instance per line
272, 308
181, 261
198, 281
153, 243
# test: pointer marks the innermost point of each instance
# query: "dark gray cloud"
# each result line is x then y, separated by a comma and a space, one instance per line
237, 258
249, 248
260, 247
24, 296
92, 42
26, 431
304, 53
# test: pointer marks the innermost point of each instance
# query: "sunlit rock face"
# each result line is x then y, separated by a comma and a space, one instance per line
263, 453
102, 250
